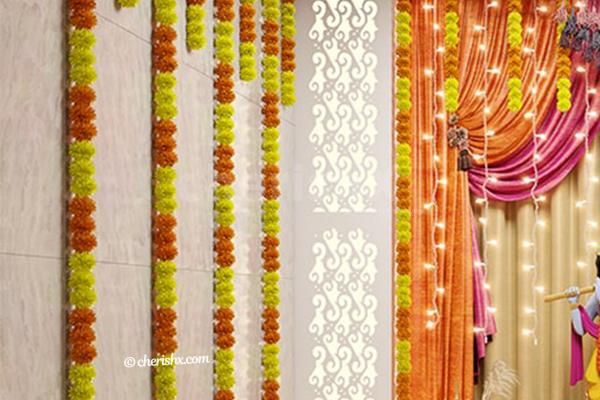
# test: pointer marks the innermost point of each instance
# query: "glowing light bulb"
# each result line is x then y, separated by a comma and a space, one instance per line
494, 70
428, 206
541, 223
487, 286
480, 93
478, 329
527, 179
428, 6
540, 289
527, 332
595, 179
492, 310
529, 310
580, 69
428, 72
580, 203
479, 264
436, 27
440, 291
440, 225
593, 114
442, 181
440, 93
440, 246
528, 244
431, 312
482, 221
427, 136
440, 49
528, 267
480, 200
428, 266
541, 136
493, 4
580, 135
592, 91
482, 47
543, 8
581, 264
493, 242
430, 325
490, 132
542, 72
478, 28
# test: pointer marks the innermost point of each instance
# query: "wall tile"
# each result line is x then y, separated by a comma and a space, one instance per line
195, 337
123, 329
31, 126
31, 328
194, 170
123, 163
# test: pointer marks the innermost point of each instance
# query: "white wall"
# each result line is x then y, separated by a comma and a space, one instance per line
32, 245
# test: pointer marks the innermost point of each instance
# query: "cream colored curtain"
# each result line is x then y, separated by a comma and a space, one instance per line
543, 370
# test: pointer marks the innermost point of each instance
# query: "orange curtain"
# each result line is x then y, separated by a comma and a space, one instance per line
512, 130
442, 357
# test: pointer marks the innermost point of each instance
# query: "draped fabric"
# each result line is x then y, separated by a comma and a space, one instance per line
442, 357
543, 370
560, 151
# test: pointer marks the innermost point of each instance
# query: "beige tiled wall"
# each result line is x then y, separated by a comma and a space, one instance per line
32, 266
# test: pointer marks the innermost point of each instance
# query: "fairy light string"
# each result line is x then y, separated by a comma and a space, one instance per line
82, 185
224, 293
403, 199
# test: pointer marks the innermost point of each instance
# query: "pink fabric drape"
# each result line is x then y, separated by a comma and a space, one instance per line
577, 346
560, 151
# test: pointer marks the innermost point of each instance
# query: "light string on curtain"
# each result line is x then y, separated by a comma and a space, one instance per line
484, 201
532, 268
433, 312
270, 203
224, 289
195, 38
164, 239
81, 206
288, 52
247, 36
403, 103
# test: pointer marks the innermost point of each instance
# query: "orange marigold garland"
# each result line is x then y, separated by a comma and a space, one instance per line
403, 199
563, 66
288, 52
82, 185
270, 203
164, 239
247, 37
224, 297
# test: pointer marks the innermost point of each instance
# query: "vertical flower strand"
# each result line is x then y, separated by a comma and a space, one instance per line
403, 199
82, 185
563, 66
195, 38
247, 36
515, 41
224, 295
288, 52
270, 202
164, 239
451, 40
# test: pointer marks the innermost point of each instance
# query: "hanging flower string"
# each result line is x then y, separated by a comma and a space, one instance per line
403, 199
224, 208
451, 39
288, 52
194, 27
270, 203
566, 29
128, 3
247, 37
82, 240
164, 197
515, 40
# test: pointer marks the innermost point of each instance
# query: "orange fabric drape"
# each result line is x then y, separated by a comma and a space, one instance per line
511, 129
443, 357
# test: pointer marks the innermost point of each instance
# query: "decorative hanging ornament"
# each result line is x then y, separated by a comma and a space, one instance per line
458, 137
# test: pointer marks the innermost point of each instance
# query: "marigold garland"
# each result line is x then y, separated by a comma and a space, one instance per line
224, 297
194, 25
270, 204
515, 40
288, 52
451, 39
164, 239
128, 3
403, 188
247, 36
563, 67
82, 238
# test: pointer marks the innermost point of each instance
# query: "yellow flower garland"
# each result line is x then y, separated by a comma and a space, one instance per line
403, 196
194, 27
515, 40
451, 40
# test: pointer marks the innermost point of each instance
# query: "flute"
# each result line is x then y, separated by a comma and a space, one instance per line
563, 295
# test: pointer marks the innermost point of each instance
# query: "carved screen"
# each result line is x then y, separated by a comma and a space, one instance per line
343, 208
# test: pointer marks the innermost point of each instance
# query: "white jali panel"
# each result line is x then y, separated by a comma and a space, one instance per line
343, 207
